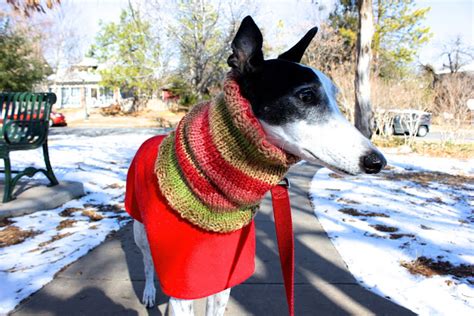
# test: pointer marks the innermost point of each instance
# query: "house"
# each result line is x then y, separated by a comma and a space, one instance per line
78, 86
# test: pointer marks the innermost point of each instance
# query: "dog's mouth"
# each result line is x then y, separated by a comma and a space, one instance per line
331, 167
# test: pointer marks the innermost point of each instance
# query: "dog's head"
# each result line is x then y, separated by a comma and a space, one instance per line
297, 107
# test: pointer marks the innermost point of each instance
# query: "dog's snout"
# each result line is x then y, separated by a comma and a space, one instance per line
373, 162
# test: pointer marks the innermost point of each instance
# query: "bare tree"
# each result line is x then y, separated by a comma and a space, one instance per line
458, 54
451, 95
363, 110
327, 52
202, 30
61, 39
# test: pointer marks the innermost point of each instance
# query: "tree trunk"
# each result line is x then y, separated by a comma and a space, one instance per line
363, 110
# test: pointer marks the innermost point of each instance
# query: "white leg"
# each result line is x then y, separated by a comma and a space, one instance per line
217, 303
142, 242
179, 307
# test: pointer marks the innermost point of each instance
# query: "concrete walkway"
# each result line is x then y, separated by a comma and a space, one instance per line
31, 196
110, 280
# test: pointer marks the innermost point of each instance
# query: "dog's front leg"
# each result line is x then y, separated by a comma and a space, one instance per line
217, 303
141, 240
179, 307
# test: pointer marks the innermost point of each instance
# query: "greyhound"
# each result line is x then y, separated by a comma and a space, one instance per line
297, 109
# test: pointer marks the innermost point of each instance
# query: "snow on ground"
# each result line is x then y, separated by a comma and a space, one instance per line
61, 237
419, 207
432, 216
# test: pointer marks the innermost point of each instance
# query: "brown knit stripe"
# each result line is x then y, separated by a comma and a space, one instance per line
235, 149
182, 200
218, 200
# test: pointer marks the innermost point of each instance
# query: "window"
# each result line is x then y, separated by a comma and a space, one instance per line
70, 96
65, 96
106, 95
75, 92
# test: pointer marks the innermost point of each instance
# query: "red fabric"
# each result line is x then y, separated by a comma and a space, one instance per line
284, 231
190, 263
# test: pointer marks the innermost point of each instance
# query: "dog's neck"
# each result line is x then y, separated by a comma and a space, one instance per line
217, 166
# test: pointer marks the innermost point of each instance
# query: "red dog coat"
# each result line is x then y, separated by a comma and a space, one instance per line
190, 262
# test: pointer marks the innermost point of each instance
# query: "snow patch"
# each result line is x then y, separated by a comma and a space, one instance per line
432, 219
101, 163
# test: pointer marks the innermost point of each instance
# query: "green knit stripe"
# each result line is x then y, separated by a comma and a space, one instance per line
182, 199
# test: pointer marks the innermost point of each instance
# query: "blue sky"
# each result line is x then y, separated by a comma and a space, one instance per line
447, 19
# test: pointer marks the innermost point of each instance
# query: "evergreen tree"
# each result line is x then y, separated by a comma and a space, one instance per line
21, 63
129, 53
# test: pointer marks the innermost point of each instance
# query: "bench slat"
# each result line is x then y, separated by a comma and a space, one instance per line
24, 119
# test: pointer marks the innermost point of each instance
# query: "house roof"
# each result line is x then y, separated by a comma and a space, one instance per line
70, 77
82, 72
87, 62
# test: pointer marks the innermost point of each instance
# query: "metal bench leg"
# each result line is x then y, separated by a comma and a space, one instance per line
49, 170
7, 194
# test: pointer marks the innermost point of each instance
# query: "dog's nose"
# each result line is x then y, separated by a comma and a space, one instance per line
373, 162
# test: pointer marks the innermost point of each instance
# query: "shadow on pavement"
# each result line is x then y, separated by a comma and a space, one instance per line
110, 279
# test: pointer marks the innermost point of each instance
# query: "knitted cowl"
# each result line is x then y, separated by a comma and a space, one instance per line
216, 167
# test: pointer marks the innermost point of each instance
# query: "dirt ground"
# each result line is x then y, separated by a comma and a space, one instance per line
146, 118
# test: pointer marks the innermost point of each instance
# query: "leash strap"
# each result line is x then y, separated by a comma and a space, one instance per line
285, 239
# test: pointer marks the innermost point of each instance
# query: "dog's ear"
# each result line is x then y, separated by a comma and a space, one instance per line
295, 53
247, 55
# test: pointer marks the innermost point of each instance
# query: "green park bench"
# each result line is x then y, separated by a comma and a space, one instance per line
24, 122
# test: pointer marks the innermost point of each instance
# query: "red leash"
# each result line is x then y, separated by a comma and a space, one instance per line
285, 238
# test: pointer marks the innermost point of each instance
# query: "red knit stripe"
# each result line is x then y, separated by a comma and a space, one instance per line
201, 186
238, 186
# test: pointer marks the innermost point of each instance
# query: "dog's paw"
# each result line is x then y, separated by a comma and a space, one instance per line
149, 295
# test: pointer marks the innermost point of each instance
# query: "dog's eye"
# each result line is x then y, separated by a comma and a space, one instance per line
307, 96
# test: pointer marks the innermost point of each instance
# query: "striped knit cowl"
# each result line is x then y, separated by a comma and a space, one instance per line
216, 167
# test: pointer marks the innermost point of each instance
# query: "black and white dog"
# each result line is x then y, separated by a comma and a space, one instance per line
297, 108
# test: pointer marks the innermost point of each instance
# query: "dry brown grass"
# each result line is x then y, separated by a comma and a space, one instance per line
13, 235
68, 211
384, 228
387, 142
425, 178
115, 208
445, 149
54, 238
354, 212
93, 216
112, 110
398, 236
65, 224
5, 222
436, 200
428, 267
346, 201
114, 186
